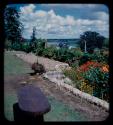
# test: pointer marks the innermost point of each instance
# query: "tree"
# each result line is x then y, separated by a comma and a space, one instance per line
33, 40
92, 40
12, 25
33, 37
106, 43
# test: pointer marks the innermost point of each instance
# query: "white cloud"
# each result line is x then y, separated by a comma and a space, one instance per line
102, 15
27, 9
50, 24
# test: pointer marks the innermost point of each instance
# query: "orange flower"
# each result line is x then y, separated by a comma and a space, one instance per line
105, 69
89, 64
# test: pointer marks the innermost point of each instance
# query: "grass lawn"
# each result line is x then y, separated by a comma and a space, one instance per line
14, 65
59, 111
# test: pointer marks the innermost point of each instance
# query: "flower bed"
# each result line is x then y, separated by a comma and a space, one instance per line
77, 92
91, 77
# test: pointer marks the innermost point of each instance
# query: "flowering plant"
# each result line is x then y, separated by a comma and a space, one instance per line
88, 64
98, 77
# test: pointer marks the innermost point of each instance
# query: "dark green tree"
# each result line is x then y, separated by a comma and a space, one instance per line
33, 42
92, 39
106, 43
33, 37
12, 25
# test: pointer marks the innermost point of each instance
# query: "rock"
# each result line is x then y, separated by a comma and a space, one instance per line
38, 68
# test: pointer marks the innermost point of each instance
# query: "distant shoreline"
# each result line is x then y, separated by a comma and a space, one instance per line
55, 42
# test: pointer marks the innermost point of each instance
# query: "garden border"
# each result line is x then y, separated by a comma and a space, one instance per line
77, 92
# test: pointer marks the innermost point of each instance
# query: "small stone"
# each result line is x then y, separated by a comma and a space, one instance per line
23, 82
31, 78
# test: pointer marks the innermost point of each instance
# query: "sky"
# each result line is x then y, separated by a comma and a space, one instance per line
63, 21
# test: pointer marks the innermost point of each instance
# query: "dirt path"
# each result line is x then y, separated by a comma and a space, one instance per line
92, 112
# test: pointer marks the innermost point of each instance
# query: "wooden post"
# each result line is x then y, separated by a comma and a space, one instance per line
85, 47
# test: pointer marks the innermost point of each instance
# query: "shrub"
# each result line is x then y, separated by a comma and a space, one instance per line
8, 44
97, 77
106, 43
16, 46
86, 57
39, 47
74, 65
100, 56
25, 47
85, 87
75, 76
49, 52
77, 53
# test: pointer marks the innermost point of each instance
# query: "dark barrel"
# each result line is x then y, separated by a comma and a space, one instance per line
32, 104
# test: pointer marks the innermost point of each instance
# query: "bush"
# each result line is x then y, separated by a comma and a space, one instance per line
39, 47
77, 53
49, 52
39, 51
106, 43
25, 47
86, 57
101, 56
16, 46
75, 76
98, 78
8, 44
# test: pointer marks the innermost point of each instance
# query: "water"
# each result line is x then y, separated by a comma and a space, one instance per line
55, 42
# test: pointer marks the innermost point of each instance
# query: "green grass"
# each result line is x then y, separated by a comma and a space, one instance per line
14, 65
9, 100
62, 112
59, 111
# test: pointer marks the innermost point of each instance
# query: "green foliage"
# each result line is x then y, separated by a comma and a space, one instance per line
75, 65
77, 53
86, 57
98, 57
93, 40
33, 37
12, 25
106, 43
49, 52
25, 47
99, 79
39, 47
16, 46
8, 44
75, 76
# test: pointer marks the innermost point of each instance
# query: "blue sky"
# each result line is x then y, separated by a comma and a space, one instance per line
63, 20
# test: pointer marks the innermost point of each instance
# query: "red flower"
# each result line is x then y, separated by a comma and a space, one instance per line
88, 64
